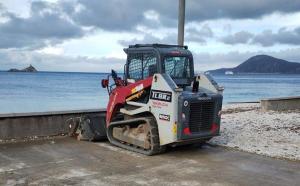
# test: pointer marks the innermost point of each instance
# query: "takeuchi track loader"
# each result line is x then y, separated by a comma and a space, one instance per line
160, 101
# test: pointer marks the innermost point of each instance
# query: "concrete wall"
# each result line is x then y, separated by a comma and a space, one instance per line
281, 104
22, 125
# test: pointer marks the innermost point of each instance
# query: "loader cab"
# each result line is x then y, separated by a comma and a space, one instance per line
145, 60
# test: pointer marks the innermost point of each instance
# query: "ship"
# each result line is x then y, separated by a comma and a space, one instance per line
228, 73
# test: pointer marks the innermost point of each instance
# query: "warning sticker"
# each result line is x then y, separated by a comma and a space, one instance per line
164, 117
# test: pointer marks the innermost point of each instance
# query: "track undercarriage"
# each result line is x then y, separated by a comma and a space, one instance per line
138, 134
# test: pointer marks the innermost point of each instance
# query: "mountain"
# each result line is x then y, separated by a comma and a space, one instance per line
28, 69
263, 64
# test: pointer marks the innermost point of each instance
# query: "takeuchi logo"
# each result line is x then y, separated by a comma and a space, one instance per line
161, 95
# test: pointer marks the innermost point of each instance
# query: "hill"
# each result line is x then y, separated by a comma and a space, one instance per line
28, 69
263, 64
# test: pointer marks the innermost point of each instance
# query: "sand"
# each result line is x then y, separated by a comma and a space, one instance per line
245, 127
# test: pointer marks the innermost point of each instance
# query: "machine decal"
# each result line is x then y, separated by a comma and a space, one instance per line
161, 95
137, 88
185, 103
159, 104
113, 102
137, 95
164, 117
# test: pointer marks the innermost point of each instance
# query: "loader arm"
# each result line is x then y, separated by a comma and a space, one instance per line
119, 95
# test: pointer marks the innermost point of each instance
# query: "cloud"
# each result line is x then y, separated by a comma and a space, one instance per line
115, 15
120, 15
199, 35
238, 9
266, 38
46, 25
53, 23
283, 36
192, 34
241, 37
1, 8
149, 38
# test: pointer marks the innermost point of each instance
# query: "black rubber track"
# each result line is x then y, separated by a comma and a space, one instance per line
155, 145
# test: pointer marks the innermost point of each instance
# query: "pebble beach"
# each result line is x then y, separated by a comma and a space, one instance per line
275, 134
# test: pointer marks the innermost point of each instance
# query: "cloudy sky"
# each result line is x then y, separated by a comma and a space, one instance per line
89, 35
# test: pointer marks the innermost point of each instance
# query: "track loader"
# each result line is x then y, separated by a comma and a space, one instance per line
160, 101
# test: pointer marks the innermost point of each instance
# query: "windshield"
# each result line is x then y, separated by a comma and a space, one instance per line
177, 67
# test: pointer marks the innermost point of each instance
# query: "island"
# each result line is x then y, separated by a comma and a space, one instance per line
28, 69
261, 64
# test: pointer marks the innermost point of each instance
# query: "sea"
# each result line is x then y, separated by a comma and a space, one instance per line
58, 91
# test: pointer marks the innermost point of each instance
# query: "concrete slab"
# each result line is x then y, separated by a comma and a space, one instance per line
66, 161
31, 125
280, 104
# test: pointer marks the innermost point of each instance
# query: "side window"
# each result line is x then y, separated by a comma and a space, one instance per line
149, 65
135, 66
141, 66
177, 67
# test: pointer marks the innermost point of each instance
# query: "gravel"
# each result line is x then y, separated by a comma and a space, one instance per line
245, 127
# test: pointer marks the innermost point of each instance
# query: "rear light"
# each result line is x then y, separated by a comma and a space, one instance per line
186, 131
214, 128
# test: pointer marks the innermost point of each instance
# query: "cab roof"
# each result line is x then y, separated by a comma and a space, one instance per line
160, 48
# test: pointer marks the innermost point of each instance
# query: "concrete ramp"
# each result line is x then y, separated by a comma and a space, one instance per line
66, 161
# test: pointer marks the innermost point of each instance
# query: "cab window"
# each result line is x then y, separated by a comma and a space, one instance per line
149, 65
177, 67
135, 64
141, 66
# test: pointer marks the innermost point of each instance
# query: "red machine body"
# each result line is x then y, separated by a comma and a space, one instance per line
119, 95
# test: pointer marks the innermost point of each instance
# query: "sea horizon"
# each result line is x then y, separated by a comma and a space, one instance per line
57, 91
121, 72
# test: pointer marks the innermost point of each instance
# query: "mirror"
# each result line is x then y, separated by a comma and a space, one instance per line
114, 74
104, 83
